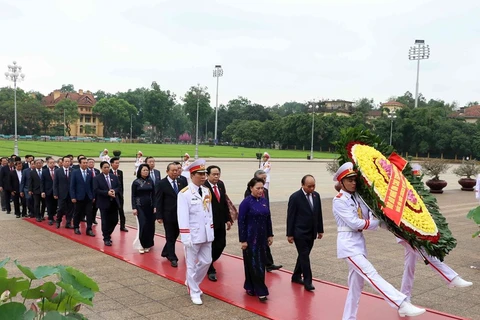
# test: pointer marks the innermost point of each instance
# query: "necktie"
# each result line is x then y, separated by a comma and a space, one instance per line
93, 173
310, 202
115, 172
217, 194
108, 182
175, 187
66, 173
84, 175
39, 173
153, 176
200, 191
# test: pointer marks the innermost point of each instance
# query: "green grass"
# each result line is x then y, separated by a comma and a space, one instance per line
93, 149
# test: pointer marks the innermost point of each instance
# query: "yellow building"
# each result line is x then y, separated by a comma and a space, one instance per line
468, 114
89, 123
392, 106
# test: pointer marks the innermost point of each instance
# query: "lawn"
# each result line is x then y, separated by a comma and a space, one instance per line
93, 149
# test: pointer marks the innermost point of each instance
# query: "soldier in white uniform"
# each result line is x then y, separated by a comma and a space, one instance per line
444, 271
266, 166
195, 222
185, 167
352, 217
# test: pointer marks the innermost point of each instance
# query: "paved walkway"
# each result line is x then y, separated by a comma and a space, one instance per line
128, 292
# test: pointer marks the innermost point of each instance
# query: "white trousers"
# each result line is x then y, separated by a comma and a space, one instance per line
411, 257
198, 259
359, 271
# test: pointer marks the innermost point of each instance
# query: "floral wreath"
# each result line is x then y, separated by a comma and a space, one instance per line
396, 196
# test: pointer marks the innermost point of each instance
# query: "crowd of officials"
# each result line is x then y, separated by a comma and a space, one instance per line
191, 201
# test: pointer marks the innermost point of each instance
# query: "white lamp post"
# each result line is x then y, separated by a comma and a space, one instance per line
418, 52
15, 74
217, 73
392, 116
313, 127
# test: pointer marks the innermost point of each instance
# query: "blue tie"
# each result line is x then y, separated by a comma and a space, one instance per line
175, 187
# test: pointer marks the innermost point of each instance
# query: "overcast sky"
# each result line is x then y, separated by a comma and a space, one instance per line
271, 51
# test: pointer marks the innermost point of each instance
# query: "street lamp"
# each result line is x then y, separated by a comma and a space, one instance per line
418, 52
313, 127
196, 134
15, 74
217, 73
392, 116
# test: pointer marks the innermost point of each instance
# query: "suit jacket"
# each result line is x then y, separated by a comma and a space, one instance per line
25, 165
75, 167
120, 181
221, 214
166, 199
158, 177
101, 188
302, 221
47, 181
5, 176
14, 184
81, 189
97, 172
25, 180
35, 182
61, 184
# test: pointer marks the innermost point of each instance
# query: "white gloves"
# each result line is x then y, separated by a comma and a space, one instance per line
187, 244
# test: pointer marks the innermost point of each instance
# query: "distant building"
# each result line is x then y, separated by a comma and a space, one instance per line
338, 105
392, 106
468, 114
89, 123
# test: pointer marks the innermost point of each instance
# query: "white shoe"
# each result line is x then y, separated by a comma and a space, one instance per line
146, 250
141, 250
409, 310
459, 282
197, 301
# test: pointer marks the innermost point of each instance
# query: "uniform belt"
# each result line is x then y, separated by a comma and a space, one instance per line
347, 229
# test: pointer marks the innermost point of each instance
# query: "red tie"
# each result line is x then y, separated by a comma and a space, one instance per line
115, 172
52, 174
217, 194
93, 173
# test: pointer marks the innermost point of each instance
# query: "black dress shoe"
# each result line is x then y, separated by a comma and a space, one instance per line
68, 226
50, 222
250, 292
8, 212
17, 216
273, 267
298, 280
212, 277
174, 263
77, 231
108, 243
309, 287
123, 229
58, 225
262, 298
95, 222
43, 218
90, 233
38, 220
83, 220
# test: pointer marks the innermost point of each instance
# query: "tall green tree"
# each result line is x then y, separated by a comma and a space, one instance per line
67, 113
192, 96
158, 108
116, 115
67, 88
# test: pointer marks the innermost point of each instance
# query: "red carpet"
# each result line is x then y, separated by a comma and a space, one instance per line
286, 300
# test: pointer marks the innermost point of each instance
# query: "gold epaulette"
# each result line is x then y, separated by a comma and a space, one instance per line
184, 189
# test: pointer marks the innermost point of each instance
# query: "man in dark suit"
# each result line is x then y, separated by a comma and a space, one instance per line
81, 193
166, 204
76, 166
15, 182
221, 216
3, 162
106, 189
24, 188
269, 265
181, 178
28, 159
304, 225
5, 183
95, 172
35, 190
154, 173
48, 175
61, 192
114, 164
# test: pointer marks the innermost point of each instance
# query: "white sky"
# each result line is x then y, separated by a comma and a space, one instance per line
272, 51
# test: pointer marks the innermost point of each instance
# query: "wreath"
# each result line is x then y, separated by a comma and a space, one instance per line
394, 194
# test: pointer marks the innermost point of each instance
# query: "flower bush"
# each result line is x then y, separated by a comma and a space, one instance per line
47, 299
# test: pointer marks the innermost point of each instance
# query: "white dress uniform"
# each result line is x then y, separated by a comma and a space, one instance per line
185, 172
195, 222
352, 217
267, 166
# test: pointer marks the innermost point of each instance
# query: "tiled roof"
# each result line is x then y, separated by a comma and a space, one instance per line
85, 99
470, 112
393, 104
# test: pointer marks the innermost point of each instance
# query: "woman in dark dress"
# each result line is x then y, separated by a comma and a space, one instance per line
143, 195
255, 233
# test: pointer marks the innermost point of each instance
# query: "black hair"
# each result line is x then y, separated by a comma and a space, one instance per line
305, 178
146, 159
103, 162
209, 169
254, 181
139, 171
170, 164
112, 160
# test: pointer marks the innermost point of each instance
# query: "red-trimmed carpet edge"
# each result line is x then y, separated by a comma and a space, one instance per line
286, 300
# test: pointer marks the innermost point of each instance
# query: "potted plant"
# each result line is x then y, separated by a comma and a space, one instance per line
465, 171
117, 153
433, 168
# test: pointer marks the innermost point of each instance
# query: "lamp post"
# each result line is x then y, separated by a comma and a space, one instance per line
419, 51
217, 73
392, 116
313, 127
15, 74
131, 127
196, 128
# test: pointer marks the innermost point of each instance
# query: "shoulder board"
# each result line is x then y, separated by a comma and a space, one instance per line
184, 189
339, 195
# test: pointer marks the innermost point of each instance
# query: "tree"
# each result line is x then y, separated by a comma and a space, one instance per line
100, 94
115, 114
364, 105
158, 108
67, 110
190, 99
67, 88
